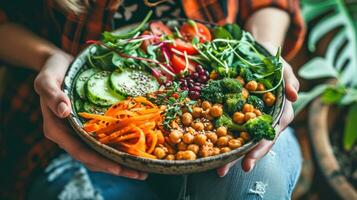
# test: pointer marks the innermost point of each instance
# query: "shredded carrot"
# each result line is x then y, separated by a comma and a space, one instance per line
160, 137
153, 137
116, 134
132, 125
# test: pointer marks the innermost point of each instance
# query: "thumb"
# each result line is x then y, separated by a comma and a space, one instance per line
52, 95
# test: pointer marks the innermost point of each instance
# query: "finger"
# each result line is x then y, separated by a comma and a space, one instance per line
123, 171
292, 83
255, 154
222, 171
52, 95
56, 131
286, 118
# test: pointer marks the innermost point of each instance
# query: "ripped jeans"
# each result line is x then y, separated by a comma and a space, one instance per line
273, 178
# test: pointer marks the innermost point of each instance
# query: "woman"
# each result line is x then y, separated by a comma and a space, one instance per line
43, 37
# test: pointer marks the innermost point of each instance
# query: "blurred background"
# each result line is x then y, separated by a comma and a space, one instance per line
327, 127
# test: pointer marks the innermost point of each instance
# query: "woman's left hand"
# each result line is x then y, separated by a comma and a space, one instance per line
291, 90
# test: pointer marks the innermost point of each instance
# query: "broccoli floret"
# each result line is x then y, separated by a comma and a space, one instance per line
256, 102
259, 127
234, 102
213, 92
246, 74
231, 85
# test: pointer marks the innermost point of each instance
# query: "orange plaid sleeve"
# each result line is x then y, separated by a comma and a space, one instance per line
296, 31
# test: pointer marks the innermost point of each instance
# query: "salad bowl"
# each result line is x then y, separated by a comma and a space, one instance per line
172, 167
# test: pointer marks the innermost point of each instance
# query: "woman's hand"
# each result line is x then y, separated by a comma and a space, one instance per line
55, 106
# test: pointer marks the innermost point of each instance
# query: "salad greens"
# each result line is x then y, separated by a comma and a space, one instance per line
183, 59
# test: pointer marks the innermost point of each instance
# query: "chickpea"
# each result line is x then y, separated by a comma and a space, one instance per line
206, 151
174, 124
186, 119
245, 93
175, 136
212, 136
190, 130
229, 137
188, 138
181, 146
196, 112
257, 112
222, 141
170, 157
245, 136
225, 149
198, 126
238, 117
206, 105
221, 131
251, 85
208, 144
216, 111
234, 143
206, 115
194, 148
179, 155
260, 87
241, 140
200, 139
208, 126
215, 151
249, 115
189, 155
269, 99
241, 80
159, 152
248, 108
213, 75
168, 148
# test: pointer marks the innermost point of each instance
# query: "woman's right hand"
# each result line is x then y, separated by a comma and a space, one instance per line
56, 106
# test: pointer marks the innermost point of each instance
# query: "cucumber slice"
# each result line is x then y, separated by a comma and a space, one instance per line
133, 82
99, 92
82, 80
78, 105
92, 108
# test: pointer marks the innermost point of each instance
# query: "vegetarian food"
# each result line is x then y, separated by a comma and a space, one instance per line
178, 91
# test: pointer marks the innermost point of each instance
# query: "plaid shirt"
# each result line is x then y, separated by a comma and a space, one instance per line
23, 146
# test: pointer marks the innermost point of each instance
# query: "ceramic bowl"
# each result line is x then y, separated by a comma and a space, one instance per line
149, 165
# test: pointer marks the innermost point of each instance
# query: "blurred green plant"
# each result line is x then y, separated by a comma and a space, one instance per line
338, 18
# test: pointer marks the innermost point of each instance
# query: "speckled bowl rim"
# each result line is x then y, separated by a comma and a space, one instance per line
75, 122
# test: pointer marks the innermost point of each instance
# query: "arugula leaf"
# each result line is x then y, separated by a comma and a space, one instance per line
220, 32
234, 30
111, 37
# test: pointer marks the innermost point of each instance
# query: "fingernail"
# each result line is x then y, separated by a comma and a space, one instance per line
114, 171
143, 176
223, 172
61, 109
251, 166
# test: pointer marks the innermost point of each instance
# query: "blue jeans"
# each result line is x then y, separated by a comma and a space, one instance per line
273, 177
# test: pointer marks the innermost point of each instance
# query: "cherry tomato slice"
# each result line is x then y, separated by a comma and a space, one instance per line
190, 32
183, 46
158, 28
179, 64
